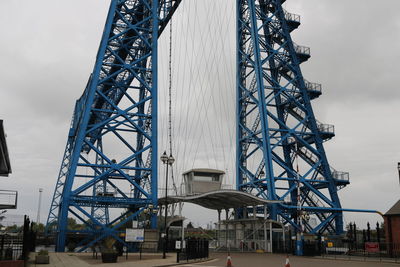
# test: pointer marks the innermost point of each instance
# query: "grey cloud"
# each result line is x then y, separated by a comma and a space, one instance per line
49, 50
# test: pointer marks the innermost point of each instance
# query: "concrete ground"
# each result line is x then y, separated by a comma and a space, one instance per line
276, 260
217, 260
68, 259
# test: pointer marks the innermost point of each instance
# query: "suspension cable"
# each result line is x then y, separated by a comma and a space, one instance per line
170, 88
170, 103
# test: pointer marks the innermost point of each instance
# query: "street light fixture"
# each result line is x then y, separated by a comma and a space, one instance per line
168, 160
39, 205
398, 168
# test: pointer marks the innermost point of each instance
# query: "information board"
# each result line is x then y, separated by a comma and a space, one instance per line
134, 235
372, 247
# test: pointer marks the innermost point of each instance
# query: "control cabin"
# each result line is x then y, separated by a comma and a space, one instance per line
199, 181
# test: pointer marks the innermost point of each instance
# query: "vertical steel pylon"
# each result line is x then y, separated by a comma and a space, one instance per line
276, 123
112, 142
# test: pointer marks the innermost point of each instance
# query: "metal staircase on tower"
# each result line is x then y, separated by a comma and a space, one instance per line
279, 140
108, 175
110, 159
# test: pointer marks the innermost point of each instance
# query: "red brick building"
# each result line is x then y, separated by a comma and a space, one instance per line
392, 224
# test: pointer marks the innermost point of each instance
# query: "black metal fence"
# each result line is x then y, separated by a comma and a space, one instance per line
195, 248
16, 246
345, 249
362, 250
11, 247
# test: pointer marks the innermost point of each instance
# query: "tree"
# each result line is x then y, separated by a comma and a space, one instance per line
14, 228
73, 225
38, 227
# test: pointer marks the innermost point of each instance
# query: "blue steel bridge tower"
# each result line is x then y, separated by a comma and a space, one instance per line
280, 152
110, 159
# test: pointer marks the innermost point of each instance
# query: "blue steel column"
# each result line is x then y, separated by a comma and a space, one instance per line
154, 112
324, 160
266, 143
63, 217
119, 103
276, 126
239, 93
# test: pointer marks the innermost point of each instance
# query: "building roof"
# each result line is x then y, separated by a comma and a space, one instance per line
204, 170
395, 210
5, 166
220, 199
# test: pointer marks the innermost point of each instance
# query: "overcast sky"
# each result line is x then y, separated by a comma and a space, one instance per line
48, 48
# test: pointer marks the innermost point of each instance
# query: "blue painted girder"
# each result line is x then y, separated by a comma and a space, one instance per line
276, 127
111, 156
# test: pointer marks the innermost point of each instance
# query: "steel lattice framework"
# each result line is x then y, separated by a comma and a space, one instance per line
280, 153
110, 160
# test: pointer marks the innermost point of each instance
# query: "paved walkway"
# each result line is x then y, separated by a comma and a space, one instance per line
217, 260
278, 260
86, 260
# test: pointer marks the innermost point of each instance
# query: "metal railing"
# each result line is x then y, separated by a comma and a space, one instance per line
8, 199
362, 251
195, 248
339, 175
11, 247
292, 17
317, 87
227, 186
301, 49
325, 128
322, 127
16, 246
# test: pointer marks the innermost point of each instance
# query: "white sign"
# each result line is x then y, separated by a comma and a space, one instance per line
177, 244
134, 224
134, 235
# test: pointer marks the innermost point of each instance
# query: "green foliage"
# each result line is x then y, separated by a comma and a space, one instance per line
73, 225
14, 229
38, 227
43, 252
200, 233
108, 245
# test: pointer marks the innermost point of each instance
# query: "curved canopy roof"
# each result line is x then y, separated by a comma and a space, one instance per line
220, 199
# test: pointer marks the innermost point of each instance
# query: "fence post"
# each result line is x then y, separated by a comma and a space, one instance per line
25, 238
187, 249
2, 247
207, 248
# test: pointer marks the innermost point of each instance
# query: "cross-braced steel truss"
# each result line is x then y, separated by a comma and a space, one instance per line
110, 157
110, 160
280, 155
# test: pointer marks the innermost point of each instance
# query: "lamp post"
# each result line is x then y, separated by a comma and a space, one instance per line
168, 160
39, 204
398, 168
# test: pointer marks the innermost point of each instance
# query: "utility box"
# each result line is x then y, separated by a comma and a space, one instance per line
199, 181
